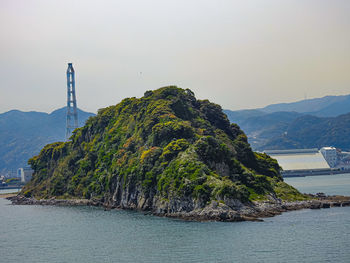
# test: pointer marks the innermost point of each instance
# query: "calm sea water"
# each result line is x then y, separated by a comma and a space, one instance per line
8, 191
88, 234
330, 184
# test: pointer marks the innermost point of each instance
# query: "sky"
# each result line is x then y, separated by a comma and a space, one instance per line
239, 54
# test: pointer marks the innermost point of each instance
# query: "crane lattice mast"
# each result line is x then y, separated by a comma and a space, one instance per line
72, 114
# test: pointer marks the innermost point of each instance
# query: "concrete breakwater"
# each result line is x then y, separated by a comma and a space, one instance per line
215, 211
10, 187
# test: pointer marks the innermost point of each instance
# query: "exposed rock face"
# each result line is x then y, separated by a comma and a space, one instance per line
215, 211
21, 200
167, 153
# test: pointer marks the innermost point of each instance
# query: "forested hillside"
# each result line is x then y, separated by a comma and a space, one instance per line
166, 152
23, 134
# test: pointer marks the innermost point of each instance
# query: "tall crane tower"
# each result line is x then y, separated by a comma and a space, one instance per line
72, 114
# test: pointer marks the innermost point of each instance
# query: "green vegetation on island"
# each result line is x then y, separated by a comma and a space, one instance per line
165, 152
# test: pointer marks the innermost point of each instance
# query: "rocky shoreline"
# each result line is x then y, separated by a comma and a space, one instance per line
215, 211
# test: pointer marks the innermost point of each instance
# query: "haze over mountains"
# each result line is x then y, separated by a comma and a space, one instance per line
308, 123
23, 134
328, 106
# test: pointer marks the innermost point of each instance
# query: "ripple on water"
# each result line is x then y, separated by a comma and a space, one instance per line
90, 234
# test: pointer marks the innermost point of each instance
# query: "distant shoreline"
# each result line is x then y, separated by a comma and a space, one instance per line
7, 195
10, 187
306, 173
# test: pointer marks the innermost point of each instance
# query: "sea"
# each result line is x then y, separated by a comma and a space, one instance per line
90, 234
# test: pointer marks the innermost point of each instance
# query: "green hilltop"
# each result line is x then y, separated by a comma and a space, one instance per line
166, 152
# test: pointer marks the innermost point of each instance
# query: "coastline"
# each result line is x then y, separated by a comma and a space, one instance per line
7, 195
215, 211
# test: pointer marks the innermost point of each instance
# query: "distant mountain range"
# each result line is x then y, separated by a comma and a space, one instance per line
329, 106
23, 134
307, 123
303, 124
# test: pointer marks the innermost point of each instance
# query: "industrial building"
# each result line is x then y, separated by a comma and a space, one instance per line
25, 174
343, 161
330, 154
301, 162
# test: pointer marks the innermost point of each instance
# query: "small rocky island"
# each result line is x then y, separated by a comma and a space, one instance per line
168, 154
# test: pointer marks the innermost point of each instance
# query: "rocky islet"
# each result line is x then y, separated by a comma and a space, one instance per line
168, 154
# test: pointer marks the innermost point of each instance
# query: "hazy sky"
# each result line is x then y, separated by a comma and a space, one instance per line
240, 54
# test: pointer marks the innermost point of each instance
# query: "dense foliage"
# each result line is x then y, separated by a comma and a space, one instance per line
310, 131
166, 144
292, 130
